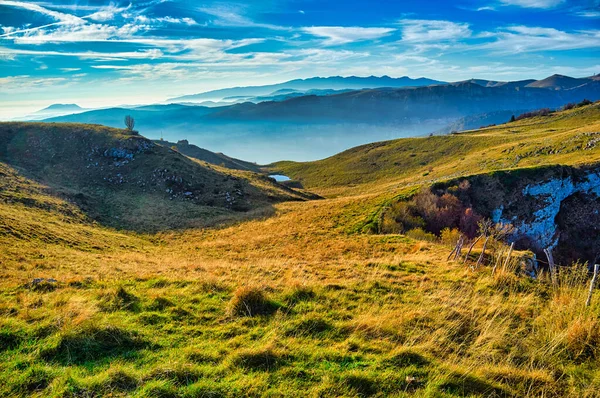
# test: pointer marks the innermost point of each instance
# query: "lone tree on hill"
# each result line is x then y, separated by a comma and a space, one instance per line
129, 122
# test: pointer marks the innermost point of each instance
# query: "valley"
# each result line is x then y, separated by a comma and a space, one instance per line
293, 295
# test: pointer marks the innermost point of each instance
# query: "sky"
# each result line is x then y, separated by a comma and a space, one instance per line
101, 53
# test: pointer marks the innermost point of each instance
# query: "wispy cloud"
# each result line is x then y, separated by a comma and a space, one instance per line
419, 30
107, 13
523, 39
533, 3
147, 20
19, 83
59, 16
335, 35
234, 16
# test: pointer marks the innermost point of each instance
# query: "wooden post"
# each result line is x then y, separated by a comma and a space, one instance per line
512, 245
482, 253
455, 248
548, 253
471, 247
498, 261
452, 252
461, 242
592, 285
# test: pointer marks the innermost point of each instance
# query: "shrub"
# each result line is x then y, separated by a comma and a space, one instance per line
420, 234
584, 103
362, 384
469, 222
251, 301
406, 358
401, 217
450, 236
299, 293
310, 326
539, 112
432, 213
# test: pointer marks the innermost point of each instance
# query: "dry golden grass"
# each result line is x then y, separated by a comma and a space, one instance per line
350, 314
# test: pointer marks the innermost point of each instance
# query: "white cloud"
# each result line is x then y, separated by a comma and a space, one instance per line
229, 15
59, 16
419, 30
145, 54
533, 3
27, 83
588, 14
522, 39
107, 13
79, 33
146, 20
335, 35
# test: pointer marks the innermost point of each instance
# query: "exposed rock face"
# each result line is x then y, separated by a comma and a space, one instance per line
543, 228
551, 207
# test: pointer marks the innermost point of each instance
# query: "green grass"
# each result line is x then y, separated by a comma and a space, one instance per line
296, 300
560, 138
126, 181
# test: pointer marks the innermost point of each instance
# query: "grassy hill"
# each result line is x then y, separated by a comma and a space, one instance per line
296, 303
127, 181
218, 159
568, 137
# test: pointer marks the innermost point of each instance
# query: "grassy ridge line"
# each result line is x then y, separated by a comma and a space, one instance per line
126, 181
556, 139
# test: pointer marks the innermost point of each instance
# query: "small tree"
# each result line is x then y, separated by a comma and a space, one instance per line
129, 122
512, 118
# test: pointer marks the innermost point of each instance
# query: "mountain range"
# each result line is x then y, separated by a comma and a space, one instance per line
315, 126
304, 85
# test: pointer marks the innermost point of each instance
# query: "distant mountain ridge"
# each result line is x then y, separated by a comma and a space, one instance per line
315, 126
315, 83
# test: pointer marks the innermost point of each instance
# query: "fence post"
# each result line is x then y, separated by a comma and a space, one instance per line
548, 253
471, 247
512, 245
592, 285
482, 253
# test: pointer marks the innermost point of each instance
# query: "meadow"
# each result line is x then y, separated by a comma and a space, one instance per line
298, 299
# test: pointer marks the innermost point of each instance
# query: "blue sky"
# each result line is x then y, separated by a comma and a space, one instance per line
98, 53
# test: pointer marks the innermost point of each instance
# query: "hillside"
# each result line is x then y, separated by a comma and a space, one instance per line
298, 302
538, 174
127, 181
218, 159
566, 137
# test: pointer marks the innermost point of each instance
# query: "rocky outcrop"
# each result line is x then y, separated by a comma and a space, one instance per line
554, 207
550, 195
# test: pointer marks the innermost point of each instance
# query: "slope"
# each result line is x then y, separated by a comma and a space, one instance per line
289, 305
127, 181
218, 159
566, 137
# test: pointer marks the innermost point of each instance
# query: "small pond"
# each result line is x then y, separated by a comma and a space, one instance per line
280, 177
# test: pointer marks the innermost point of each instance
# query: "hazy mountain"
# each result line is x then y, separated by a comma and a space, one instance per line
559, 82
54, 110
312, 126
332, 83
